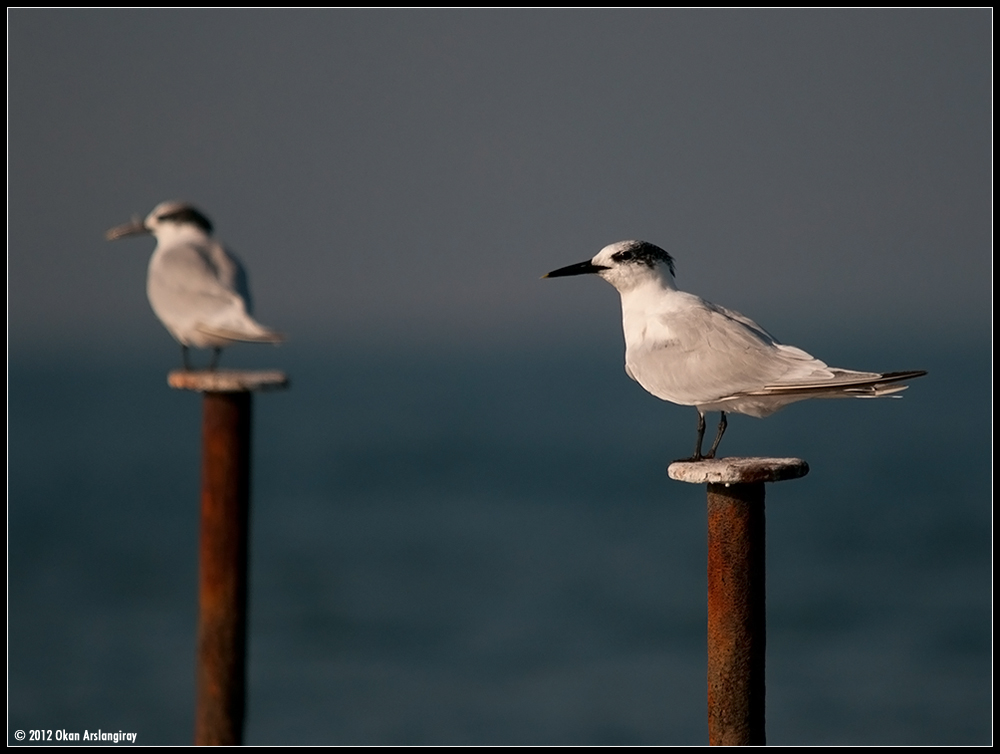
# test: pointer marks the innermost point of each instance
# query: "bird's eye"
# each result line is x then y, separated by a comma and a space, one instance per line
626, 256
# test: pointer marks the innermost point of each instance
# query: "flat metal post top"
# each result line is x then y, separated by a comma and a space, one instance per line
738, 470
227, 380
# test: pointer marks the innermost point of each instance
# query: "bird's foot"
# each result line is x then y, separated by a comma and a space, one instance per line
692, 459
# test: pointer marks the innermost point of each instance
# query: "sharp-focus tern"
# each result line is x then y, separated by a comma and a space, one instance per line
688, 351
196, 287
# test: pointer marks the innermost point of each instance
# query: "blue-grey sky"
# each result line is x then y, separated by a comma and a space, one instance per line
395, 175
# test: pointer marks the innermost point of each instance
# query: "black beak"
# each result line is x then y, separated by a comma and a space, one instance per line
583, 268
134, 227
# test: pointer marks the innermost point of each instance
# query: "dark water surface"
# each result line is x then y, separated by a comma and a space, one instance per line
455, 548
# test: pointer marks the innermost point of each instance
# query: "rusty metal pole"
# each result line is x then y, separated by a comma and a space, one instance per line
737, 618
737, 621
222, 572
223, 551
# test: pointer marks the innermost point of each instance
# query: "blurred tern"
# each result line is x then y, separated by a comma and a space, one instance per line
688, 351
196, 287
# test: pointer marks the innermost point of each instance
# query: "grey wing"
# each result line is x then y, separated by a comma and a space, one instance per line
702, 352
230, 273
765, 360
187, 279
234, 322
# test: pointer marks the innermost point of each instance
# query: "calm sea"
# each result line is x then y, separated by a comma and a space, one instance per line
484, 548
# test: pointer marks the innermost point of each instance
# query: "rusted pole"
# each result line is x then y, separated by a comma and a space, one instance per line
222, 572
737, 620
223, 551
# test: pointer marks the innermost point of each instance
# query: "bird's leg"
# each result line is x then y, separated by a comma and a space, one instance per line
701, 436
697, 447
718, 438
184, 358
216, 352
